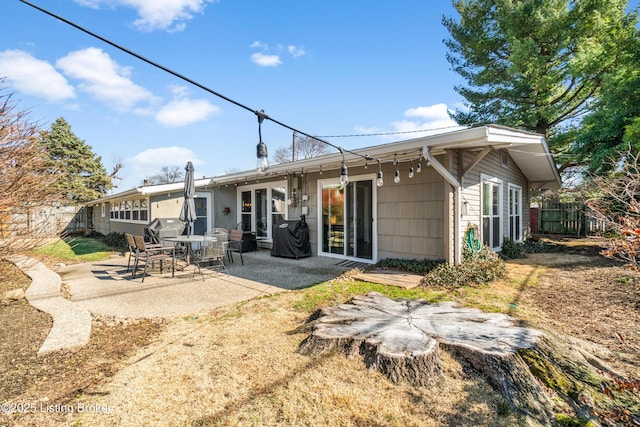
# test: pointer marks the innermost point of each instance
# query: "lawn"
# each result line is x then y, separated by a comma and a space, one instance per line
76, 249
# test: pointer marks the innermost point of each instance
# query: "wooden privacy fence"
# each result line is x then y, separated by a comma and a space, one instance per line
556, 217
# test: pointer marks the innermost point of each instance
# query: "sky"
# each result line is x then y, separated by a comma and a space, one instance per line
326, 68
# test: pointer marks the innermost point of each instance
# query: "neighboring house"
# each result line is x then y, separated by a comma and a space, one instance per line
477, 177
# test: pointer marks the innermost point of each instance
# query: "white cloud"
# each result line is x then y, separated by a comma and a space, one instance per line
103, 78
184, 112
168, 15
433, 118
296, 51
258, 44
149, 162
34, 77
264, 60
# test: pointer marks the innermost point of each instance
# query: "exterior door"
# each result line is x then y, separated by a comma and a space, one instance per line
347, 219
203, 222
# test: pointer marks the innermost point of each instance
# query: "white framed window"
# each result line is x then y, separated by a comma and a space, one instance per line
492, 234
515, 212
131, 210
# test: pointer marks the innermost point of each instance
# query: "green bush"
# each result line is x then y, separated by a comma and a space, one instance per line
483, 267
409, 265
116, 240
512, 250
532, 246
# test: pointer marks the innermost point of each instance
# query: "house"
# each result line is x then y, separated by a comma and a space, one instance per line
433, 188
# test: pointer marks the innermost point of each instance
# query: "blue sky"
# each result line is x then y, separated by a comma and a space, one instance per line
330, 67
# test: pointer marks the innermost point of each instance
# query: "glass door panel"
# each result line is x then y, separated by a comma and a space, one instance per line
333, 219
347, 219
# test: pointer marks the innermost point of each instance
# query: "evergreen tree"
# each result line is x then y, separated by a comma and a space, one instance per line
534, 64
613, 128
85, 178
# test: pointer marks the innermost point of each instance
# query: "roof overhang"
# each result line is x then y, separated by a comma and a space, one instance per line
150, 190
528, 150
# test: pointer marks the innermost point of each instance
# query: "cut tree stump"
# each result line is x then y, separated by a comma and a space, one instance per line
401, 338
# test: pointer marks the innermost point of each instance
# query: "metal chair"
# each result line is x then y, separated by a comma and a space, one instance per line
151, 253
211, 253
235, 244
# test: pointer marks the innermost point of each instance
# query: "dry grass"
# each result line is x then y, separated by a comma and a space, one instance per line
240, 365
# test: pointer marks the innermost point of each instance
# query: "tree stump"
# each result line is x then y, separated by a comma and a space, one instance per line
401, 338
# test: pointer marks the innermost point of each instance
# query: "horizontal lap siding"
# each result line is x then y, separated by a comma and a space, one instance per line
491, 165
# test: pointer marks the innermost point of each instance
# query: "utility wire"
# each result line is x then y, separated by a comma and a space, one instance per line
260, 114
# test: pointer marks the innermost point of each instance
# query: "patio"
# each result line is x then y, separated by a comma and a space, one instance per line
106, 288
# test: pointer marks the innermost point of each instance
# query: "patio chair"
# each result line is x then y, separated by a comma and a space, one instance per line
235, 244
131, 244
211, 253
149, 253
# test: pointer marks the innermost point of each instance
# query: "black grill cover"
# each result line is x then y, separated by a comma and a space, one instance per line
291, 239
156, 227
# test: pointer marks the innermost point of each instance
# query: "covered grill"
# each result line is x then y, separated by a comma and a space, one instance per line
291, 239
164, 227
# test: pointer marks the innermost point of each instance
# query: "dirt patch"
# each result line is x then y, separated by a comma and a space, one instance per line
58, 377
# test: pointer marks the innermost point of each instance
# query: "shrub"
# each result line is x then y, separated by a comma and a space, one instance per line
484, 267
116, 241
410, 265
512, 250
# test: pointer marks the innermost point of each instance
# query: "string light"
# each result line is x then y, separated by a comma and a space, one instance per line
379, 180
411, 170
396, 178
344, 174
262, 163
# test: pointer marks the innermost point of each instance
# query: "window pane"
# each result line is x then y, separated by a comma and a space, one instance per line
246, 201
496, 232
486, 199
261, 212
486, 232
495, 199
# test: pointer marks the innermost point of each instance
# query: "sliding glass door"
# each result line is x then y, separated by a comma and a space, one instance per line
347, 219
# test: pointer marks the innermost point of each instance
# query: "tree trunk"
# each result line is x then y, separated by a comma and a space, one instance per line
402, 338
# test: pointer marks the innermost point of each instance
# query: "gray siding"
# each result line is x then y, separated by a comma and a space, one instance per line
411, 215
472, 189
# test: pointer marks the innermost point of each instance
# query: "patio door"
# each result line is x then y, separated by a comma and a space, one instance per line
347, 219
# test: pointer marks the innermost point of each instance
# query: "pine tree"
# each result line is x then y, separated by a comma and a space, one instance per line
85, 178
534, 64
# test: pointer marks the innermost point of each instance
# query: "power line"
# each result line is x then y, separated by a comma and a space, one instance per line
260, 114
387, 133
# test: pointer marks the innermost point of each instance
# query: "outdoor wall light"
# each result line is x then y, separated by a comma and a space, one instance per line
262, 162
226, 210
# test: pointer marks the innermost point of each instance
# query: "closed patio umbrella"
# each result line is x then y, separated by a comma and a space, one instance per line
188, 212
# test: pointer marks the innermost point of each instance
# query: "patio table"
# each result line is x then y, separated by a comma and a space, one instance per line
189, 240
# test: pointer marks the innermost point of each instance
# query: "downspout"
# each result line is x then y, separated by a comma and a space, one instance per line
444, 172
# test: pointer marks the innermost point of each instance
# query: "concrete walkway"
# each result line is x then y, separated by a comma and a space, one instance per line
71, 324
105, 288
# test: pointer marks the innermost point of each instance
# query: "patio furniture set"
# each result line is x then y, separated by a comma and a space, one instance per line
208, 251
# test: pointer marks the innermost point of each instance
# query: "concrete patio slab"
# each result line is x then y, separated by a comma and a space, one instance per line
105, 288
